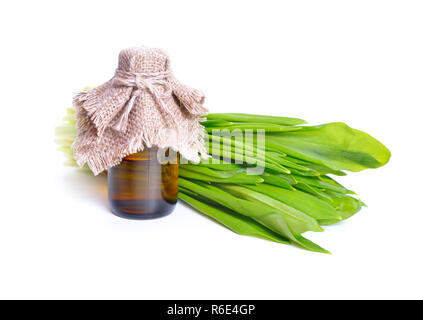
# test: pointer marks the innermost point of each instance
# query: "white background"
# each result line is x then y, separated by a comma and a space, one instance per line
360, 62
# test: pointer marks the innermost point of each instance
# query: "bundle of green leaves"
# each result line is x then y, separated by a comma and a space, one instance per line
291, 194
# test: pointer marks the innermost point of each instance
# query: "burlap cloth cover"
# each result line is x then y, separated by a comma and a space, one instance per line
143, 105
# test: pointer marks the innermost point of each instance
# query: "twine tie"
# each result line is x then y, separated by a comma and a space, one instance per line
142, 81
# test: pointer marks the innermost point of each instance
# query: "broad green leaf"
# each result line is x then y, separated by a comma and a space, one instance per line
334, 145
317, 167
298, 221
299, 200
309, 245
276, 181
313, 191
221, 166
329, 180
244, 117
345, 205
210, 172
308, 173
288, 177
216, 123
268, 127
247, 159
316, 182
285, 162
233, 221
263, 214
241, 178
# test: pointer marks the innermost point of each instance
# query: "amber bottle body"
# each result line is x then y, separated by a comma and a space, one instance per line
142, 186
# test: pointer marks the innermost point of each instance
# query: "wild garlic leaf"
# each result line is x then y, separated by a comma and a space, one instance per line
334, 145
237, 223
244, 117
299, 200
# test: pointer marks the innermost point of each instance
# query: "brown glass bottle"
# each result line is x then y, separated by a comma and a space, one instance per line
140, 187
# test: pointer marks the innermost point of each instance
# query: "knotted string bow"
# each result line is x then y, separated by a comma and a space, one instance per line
152, 82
